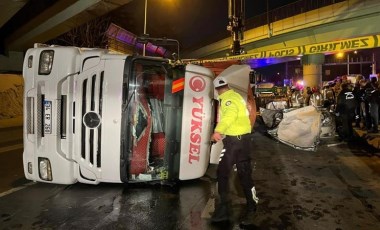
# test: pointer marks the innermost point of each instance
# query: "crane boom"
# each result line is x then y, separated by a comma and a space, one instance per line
236, 13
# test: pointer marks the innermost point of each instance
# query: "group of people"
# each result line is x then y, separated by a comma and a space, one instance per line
357, 103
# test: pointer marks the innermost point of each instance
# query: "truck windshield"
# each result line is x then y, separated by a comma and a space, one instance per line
154, 115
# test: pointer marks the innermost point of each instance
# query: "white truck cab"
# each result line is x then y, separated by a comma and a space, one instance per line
91, 116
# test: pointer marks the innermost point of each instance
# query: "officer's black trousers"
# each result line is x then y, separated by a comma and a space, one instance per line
347, 130
236, 151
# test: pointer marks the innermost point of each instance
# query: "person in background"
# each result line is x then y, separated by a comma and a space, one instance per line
345, 108
309, 92
364, 104
316, 97
337, 86
373, 99
234, 129
358, 113
329, 97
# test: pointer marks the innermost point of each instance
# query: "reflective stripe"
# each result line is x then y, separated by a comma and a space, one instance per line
222, 154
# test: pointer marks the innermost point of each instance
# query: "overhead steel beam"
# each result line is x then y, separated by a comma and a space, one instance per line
8, 8
58, 19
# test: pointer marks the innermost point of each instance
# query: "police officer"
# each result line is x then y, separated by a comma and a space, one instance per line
234, 129
346, 104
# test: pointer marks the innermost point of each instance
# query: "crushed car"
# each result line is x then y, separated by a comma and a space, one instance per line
301, 128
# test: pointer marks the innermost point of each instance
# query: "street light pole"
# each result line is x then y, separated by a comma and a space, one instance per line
145, 12
373, 64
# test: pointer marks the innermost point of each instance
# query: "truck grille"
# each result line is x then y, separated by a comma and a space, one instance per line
91, 136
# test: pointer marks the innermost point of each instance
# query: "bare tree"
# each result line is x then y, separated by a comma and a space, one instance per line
91, 34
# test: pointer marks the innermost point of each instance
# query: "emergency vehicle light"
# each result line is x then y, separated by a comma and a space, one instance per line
46, 62
44, 169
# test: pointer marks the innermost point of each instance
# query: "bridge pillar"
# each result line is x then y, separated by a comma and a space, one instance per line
312, 69
12, 62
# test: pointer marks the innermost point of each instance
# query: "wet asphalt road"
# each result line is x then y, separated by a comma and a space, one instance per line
11, 171
331, 188
336, 187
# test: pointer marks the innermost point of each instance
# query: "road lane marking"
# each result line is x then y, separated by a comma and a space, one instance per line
16, 189
335, 144
10, 148
209, 208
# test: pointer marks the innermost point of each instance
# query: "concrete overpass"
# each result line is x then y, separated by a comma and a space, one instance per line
343, 20
339, 21
57, 18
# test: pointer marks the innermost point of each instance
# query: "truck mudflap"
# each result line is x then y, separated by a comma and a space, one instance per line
238, 79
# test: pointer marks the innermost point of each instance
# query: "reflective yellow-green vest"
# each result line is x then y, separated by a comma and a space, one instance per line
234, 115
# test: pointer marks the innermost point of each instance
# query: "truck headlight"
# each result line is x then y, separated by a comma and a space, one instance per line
30, 168
46, 62
30, 61
44, 169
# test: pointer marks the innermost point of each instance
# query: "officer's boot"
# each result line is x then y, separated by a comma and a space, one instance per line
357, 121
222, 212
248, 218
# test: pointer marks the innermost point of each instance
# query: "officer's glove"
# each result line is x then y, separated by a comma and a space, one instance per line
254, 196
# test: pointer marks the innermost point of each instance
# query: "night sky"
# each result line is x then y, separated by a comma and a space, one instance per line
194, 23
189, 21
